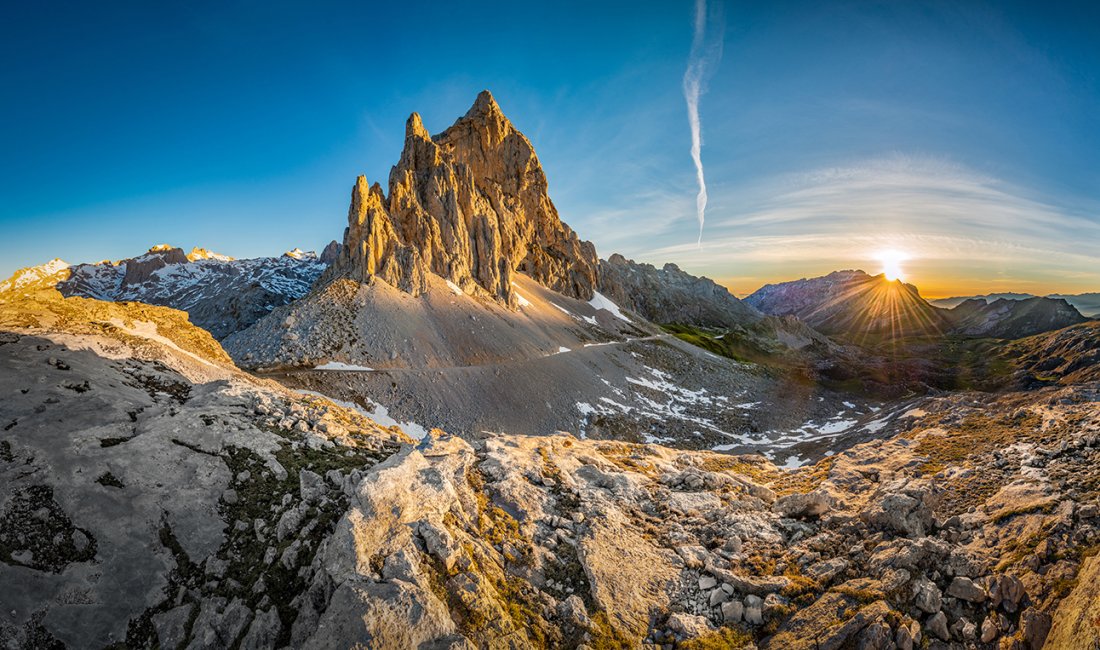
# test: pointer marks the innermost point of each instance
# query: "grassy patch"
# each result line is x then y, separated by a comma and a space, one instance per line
864, 596
1040, 507
722, 639
803, 480
977, 433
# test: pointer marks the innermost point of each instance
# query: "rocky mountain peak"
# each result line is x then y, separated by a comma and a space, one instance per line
34, 278
485, 105
140, 269
198, 253
331, 253
469, 205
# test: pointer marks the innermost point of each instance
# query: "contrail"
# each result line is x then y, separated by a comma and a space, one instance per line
703, 57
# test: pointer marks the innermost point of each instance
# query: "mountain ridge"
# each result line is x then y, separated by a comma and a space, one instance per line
221, 294
1087, 303
857, 306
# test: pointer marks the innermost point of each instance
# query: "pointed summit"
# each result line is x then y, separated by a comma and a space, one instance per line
485, 105
469, 205
414, 127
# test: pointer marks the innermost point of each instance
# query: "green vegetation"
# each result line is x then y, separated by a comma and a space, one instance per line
977, 433
747, 345
882, 366
721, 639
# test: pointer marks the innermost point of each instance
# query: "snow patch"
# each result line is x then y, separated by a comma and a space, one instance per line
336, 365
874, 426
794, 462
600, 301
455, 288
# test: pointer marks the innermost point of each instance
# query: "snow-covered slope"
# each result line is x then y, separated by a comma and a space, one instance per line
34, 278
221, 294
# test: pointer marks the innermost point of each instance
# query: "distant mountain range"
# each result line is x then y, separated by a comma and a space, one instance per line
220, 294
852, 304
859, 307
1086, 303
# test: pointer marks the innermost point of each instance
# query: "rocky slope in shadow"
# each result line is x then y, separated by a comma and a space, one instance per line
1012, 319
1086, 303
669, 295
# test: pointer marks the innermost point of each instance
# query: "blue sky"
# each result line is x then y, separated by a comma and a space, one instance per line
966, 135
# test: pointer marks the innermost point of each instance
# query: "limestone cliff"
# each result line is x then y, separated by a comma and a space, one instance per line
469, 205
669, 295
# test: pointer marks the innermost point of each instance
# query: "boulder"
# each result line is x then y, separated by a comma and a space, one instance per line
1035, 626
900, 513
926, 596
965, 589
804, 506
732, 611
689, 626
937, 625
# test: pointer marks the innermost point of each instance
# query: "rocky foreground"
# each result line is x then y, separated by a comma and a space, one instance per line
155, 496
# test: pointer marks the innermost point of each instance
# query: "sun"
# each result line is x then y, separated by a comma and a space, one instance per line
891, 263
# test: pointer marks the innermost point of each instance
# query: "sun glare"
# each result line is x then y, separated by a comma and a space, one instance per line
891, 264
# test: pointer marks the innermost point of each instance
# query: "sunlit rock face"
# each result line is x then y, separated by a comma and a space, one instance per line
469, 205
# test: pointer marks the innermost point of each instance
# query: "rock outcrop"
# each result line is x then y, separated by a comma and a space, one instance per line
152, 494
669, 295
469, 205
331, 253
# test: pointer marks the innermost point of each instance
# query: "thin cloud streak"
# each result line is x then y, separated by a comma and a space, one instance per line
703, 58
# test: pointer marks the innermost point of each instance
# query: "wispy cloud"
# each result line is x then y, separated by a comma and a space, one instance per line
705, 54
948, 218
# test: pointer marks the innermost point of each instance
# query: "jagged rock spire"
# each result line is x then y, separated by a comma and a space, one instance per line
470, 205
